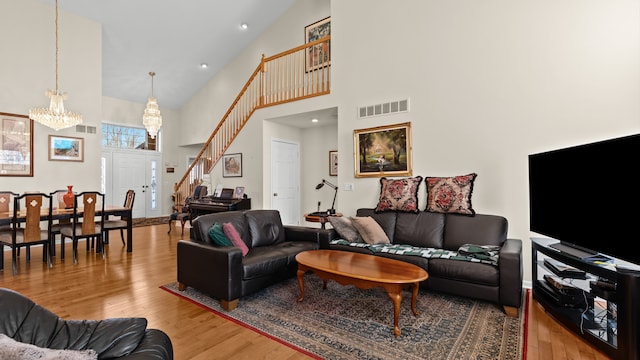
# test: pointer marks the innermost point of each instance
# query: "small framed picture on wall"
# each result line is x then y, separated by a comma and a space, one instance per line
66, 148
333, 163
232, 165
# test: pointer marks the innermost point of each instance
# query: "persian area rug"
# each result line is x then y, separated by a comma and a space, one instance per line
344, 322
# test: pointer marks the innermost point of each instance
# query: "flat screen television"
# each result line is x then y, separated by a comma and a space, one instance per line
588, 197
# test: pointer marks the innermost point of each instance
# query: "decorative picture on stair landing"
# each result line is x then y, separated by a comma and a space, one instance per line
383, 151
319, 55
232, 165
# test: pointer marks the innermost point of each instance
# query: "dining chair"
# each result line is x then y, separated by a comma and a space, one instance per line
87, 222
6, 205
184, 213
27, 227
58, 203
119, 224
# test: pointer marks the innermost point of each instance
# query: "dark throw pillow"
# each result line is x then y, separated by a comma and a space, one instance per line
399, 195
217, 236
450, 194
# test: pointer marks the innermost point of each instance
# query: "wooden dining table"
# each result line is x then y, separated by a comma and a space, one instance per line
57, 214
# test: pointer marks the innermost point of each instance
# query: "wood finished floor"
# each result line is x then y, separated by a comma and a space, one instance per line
127, 284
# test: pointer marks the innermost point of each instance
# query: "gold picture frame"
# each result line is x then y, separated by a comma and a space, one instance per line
383, 151
16, 145
66, 148
319, 55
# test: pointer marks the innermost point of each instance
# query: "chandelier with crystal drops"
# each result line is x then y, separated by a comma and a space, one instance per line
55, 116
152, 119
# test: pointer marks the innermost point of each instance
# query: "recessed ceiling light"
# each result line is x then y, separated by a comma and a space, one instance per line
244, 26
314, 120
204, 65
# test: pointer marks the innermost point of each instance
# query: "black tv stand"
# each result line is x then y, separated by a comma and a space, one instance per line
573, 251
609, 318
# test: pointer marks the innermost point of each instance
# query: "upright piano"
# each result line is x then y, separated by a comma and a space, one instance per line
210, 204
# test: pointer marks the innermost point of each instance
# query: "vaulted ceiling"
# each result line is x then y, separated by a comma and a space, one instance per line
171, 38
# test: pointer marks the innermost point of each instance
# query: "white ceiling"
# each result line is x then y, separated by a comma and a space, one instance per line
325, 117
171, 38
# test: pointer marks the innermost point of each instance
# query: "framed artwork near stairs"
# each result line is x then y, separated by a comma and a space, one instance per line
232, 165
317, 56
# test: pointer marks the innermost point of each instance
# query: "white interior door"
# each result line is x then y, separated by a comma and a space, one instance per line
285, 180
139, 172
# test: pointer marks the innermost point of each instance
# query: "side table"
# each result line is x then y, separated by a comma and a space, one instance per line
322, 219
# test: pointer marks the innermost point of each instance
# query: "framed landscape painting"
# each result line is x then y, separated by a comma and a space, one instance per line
16, 145
66, 148
383, 151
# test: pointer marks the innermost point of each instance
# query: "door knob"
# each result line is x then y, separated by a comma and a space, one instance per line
275, 194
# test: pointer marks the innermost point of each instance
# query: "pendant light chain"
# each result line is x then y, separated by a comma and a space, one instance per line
57, 48
55, 116
152, 75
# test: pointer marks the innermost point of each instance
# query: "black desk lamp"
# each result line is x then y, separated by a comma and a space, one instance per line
331, 211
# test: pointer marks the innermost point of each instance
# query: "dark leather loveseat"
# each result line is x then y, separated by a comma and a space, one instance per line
224, 273
501, 283
116, 338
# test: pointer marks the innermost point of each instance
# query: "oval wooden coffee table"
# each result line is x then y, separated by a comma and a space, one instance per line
363, 271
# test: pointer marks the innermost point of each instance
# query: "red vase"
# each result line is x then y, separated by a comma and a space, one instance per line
68, 197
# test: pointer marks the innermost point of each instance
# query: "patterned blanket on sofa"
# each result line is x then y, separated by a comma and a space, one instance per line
485, 254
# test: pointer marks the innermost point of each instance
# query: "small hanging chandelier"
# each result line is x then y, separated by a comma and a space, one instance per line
55, 116
152, 119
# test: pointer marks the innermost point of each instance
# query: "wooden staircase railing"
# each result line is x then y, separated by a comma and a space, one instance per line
295, 74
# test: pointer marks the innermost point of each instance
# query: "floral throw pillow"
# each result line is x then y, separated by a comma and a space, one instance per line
450, 194
399, 195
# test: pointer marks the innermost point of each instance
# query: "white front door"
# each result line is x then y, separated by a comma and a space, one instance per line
139, 172
285, 180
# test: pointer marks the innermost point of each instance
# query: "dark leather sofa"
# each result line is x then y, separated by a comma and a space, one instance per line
116, 338
501, 284
223, 273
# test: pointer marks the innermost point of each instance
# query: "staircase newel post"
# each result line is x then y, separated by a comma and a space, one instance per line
262, 82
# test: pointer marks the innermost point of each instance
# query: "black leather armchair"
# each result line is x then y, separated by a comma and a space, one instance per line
116, 338
223, 273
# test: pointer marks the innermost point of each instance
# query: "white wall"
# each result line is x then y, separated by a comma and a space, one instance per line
490, 82
249, 146
27, 70
316, 144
